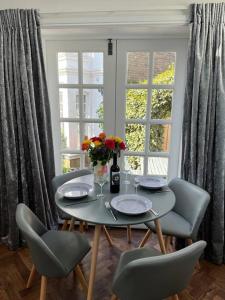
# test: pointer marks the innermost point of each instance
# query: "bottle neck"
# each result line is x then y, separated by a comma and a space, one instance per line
115, 159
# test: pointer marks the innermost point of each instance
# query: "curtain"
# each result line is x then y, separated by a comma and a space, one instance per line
26, 148
203, 157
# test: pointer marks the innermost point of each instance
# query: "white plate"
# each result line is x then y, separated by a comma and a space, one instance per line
131, 204
75, 190
150, 182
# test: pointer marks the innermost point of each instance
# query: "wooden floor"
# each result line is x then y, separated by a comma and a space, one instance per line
207, 284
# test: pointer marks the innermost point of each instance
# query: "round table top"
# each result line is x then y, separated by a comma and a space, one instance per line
94, 211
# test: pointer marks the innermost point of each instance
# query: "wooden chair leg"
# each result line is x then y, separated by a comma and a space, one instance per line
108, 237
114, 297
168, 243
146, 237
160, 236
31, 277
128, 234
81, 227
72, 221
81, 278
86, 225
65, 224
190, 242
43, 288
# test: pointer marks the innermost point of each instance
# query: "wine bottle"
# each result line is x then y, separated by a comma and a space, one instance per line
114, 176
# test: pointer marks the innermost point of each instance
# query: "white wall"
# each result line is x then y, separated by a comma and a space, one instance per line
50, 6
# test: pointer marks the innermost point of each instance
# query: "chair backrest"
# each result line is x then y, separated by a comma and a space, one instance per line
191, 202
157, 277
59, 180
32, 229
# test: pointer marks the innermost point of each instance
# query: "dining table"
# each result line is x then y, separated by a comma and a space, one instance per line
93, 210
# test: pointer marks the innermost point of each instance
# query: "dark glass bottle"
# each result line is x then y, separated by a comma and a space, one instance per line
114, 176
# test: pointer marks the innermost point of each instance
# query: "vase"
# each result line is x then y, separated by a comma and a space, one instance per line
100, 171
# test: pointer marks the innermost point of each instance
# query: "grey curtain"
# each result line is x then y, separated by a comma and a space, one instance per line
26, 149
204, 119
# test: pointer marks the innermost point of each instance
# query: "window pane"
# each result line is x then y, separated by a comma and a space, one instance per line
93, 68
70, 135
135, 164
68, 67
164, 67
69, 103
93, 103
70, 162
161, 103
92, 129
136, 102
158, 166
87, 161
135, 137
160, 138
137, 67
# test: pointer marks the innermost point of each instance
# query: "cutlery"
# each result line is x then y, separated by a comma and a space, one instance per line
80, 202
154, 212
108, 207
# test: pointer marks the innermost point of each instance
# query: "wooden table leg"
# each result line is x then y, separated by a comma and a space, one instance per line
128, 234
160, 236
108, 237
93, 261
72, 221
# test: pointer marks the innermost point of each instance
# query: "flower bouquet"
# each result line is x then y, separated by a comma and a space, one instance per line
100, 150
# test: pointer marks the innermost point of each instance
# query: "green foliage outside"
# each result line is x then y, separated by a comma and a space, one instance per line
136, 103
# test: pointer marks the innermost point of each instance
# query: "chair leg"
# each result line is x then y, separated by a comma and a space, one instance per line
114, 297
31, 277
86, 225
128, 234
65, 224
43, 288
81, 278
81, 227
146, 237
190, 242
72, 221
168, 243
108, 237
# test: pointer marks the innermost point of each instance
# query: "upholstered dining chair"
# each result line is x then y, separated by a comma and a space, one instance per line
47, 247
185, 218
146, 273
59, 180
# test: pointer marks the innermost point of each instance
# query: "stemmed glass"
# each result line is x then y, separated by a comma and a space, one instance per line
126, 172
101, 180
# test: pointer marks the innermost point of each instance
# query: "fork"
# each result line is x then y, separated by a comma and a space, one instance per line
108, 207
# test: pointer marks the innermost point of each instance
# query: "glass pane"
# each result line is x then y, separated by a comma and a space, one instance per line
87, 161
160, 138
68, 67
161, 105
135, 137
158, 166
70, 135
69, 103
135, 164
164, 67
70, 162
137, 67
93, 68
93, 103
92, 129
136, 102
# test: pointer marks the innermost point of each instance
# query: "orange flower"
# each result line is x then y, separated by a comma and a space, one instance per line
97, 143
85, 145
102, 135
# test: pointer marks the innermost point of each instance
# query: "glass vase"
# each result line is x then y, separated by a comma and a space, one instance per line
100, 171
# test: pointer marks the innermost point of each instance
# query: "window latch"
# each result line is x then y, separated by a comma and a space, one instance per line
110, 47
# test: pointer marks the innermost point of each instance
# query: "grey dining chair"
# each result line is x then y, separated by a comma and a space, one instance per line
185, 218
147, 274
59, 180
49, 255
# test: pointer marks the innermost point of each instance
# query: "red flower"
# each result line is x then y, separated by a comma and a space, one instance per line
110, 144
95, 138
122, 146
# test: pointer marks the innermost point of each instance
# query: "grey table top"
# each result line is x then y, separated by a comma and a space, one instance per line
94, 211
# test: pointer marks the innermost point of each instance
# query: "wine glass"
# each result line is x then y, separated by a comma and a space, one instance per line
126, 172
101, 180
